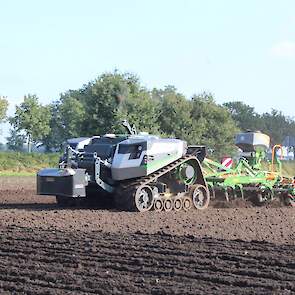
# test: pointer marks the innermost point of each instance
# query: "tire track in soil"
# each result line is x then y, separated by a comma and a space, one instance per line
61, 262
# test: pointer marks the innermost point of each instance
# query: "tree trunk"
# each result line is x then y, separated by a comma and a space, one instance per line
29, 144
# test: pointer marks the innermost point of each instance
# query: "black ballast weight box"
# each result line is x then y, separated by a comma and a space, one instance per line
62, 182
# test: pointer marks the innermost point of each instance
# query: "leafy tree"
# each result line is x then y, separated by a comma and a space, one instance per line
276, 125
102, 99
102, 104
32, 118
273, 123
244, 115
54, 139
174, 113
67, 118
72, 114
99, 106
3, 108
139, 109
213, 125
16, 140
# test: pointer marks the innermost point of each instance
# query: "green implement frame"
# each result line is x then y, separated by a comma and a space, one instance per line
249, 179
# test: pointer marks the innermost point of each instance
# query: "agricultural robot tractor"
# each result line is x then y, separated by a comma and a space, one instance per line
140, 172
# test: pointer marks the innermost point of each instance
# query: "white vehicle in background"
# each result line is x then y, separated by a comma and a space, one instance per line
75, 145
78, 143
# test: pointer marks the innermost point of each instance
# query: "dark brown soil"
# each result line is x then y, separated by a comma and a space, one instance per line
59, 262
20, 206
48, 250
20, 190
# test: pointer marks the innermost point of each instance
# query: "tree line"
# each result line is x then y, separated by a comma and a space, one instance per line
99, 106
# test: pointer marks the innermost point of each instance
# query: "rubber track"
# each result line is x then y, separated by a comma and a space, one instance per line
125, 192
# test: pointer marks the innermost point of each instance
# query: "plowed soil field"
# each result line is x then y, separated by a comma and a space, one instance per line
48, 250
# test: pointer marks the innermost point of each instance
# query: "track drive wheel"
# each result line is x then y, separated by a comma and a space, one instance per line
144, 198
200, 196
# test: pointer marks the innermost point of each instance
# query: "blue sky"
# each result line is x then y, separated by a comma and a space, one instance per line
238, 50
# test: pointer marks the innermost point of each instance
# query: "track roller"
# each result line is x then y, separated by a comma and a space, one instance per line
200, 196
187, 203
158, 205
177, 204
168, 205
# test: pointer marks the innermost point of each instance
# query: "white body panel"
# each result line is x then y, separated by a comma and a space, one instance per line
155, 154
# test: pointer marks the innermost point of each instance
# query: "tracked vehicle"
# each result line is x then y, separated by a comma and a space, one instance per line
140, 172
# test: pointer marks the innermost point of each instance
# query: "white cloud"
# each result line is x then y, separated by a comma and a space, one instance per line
284, 49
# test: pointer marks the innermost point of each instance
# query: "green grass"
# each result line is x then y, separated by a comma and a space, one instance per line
24, 164
19, 174
288, 168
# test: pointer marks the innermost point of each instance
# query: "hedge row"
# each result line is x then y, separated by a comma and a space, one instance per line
25, 163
